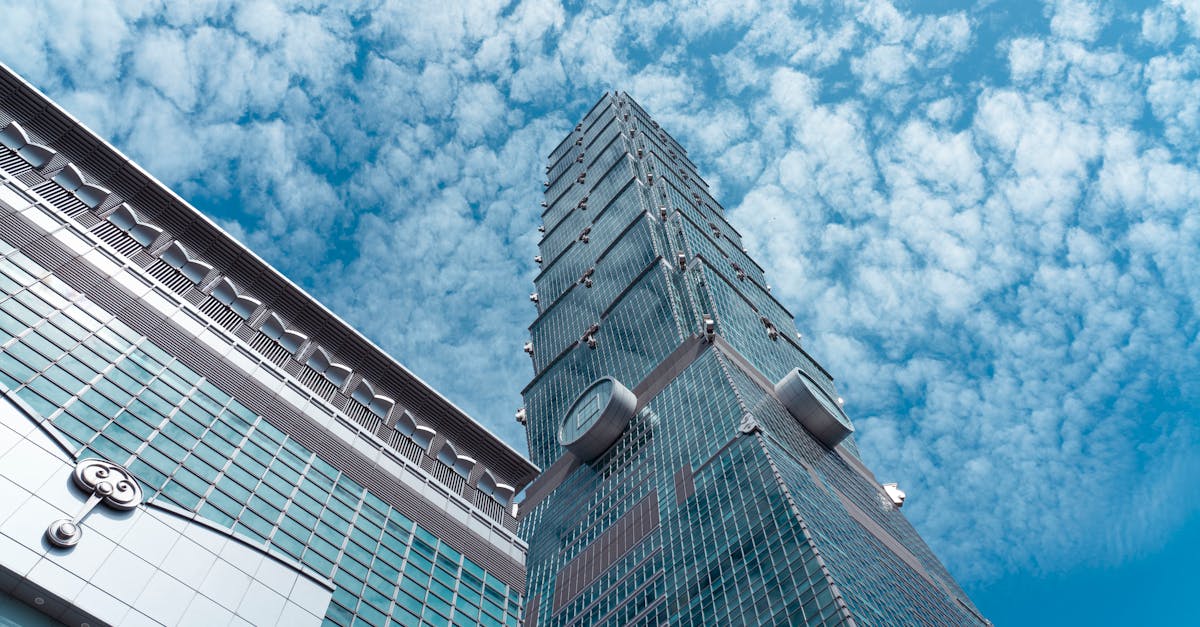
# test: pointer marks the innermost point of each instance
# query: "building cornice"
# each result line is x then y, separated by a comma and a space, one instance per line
160, 230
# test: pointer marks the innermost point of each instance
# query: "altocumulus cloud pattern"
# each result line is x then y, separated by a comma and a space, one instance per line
985, 219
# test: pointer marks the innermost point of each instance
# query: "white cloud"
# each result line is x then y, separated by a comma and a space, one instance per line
1075, 19
1159, 25
882, 67
903, 50
539, 76
1188, 11
533, 20
261, 21
161, 123
792, 92
91, 34
478, 110
1174, 95
942, 38
588, 54
1002, 278
943, 110
883, 17
705, 17
162, 62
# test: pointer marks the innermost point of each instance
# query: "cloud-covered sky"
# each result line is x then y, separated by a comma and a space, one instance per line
984, 216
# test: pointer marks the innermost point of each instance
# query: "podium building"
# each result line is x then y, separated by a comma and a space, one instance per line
186, 437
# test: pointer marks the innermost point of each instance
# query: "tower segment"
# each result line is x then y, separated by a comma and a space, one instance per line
699, 468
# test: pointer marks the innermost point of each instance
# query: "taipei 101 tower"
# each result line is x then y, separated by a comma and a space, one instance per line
698, 466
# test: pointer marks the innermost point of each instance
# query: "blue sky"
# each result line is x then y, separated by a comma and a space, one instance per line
984, 217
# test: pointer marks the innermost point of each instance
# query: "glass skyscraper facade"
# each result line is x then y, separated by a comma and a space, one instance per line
699, 467
188, 438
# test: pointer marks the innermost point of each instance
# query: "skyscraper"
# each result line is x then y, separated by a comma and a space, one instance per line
186, 437
699, 467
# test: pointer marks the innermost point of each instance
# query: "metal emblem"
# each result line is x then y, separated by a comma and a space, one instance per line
103, 482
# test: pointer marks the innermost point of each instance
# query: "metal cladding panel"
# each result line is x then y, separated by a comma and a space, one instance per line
685, 484
531, 610
630, 529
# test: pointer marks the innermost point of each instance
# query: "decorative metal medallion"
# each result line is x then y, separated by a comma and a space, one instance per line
597, 418
813, 407
104, 482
